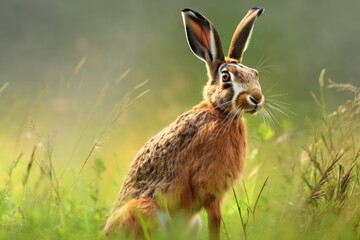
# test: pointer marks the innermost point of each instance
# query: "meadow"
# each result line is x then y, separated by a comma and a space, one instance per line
297, 184
76, 104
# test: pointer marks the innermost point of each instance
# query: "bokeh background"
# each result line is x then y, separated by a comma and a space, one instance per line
64, 65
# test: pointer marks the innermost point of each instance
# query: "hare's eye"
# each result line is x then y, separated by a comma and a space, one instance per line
225, 76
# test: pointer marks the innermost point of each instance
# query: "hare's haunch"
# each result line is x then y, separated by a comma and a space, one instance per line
193, 162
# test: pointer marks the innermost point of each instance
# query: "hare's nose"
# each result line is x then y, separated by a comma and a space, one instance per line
253, 100
255, 96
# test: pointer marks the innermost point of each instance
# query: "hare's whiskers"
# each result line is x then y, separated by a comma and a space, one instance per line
270, 89
277, 108
262, 62
230, 117
277, 95
222, 104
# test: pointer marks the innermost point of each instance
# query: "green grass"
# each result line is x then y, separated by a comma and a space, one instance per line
298, 184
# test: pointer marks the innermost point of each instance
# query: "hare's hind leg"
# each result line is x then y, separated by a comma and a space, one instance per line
129, 218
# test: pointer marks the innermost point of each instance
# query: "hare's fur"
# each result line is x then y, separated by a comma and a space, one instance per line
193, 162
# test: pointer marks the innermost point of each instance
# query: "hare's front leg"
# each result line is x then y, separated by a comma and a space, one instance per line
213, 211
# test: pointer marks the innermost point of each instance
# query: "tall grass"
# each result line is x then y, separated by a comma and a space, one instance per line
250, 210
44, 205
40, 201
330, 189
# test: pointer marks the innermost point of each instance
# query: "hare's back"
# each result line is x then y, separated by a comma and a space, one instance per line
157, 162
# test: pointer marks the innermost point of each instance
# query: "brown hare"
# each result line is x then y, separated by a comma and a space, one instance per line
192, 163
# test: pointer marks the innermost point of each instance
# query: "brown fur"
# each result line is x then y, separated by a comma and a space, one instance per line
192, 163
182, 174
127, 217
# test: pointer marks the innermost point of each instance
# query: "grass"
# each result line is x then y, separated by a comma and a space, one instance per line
287, 192
330, 169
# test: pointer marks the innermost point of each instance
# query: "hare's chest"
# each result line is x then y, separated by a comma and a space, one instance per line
218, 162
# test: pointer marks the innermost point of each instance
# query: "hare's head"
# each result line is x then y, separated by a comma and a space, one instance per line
232, 87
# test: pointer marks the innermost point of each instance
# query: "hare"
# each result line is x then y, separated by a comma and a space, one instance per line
192, 163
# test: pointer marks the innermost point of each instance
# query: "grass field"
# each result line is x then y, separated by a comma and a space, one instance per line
299, 183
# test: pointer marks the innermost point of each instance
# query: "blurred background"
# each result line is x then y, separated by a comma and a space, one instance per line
64, 65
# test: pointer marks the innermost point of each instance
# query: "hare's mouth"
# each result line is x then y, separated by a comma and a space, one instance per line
257, 106
250, 103
254, 111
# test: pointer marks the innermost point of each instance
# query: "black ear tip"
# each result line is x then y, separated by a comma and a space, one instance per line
260, 10
185, 10
193, 13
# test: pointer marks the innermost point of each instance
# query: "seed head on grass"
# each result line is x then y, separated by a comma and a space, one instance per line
29, 167
318, 192
345, 180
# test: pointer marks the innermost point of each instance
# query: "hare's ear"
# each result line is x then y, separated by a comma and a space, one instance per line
242, 34
202, 37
